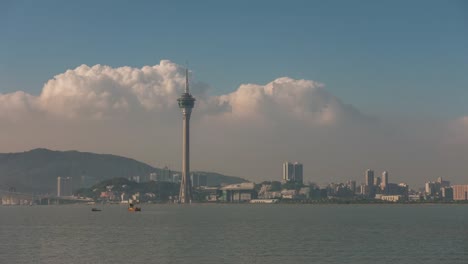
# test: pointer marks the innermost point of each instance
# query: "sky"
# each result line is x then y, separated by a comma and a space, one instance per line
341, 86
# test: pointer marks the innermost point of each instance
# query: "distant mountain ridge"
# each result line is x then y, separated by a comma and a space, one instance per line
37, 170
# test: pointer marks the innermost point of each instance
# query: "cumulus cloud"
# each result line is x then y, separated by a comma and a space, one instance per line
286, 98
17, 105
457, 133
248, 132
103, 92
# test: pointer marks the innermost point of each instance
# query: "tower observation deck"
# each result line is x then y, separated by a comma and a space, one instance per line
186, 103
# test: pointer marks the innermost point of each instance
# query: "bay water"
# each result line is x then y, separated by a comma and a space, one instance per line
229, 233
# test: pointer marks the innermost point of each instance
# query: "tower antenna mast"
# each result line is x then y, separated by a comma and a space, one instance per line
187, 81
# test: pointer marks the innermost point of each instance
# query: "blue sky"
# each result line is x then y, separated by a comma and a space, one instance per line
384, 57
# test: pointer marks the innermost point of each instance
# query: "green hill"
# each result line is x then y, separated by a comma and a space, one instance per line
216, 179
37, 170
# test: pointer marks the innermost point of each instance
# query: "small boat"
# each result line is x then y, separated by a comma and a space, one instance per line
133, 208
95, 210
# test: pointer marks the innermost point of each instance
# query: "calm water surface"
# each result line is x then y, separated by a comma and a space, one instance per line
235, 234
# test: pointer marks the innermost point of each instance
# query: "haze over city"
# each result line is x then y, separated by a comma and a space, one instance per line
332, 91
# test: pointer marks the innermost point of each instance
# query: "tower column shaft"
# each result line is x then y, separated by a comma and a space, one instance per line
186, 147
185, 189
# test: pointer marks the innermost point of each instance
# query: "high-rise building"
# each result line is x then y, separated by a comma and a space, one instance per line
288, 171
377, 181
293, 172
442, 183
403, 190
59, 186
447, 193
186, 104
369, 177
199, 180
384, 182
165, 175
430, 188
435, 188
460, 192
64, 186
176, 178
369, 183
352, 186
298, 173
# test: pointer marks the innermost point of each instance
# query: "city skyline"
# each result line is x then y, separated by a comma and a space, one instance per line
291, 187
266, 131
339, 96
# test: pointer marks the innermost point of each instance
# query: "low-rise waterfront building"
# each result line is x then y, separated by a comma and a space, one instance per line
391, 198
211, 194
414, 197
242, 192
289, 194
271, 195
304, 192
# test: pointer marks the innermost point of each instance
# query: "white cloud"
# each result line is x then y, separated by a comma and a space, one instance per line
101, 91
457, 133
462, 122
16, 105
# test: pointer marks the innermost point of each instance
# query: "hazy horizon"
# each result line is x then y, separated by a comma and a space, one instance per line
342, 90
